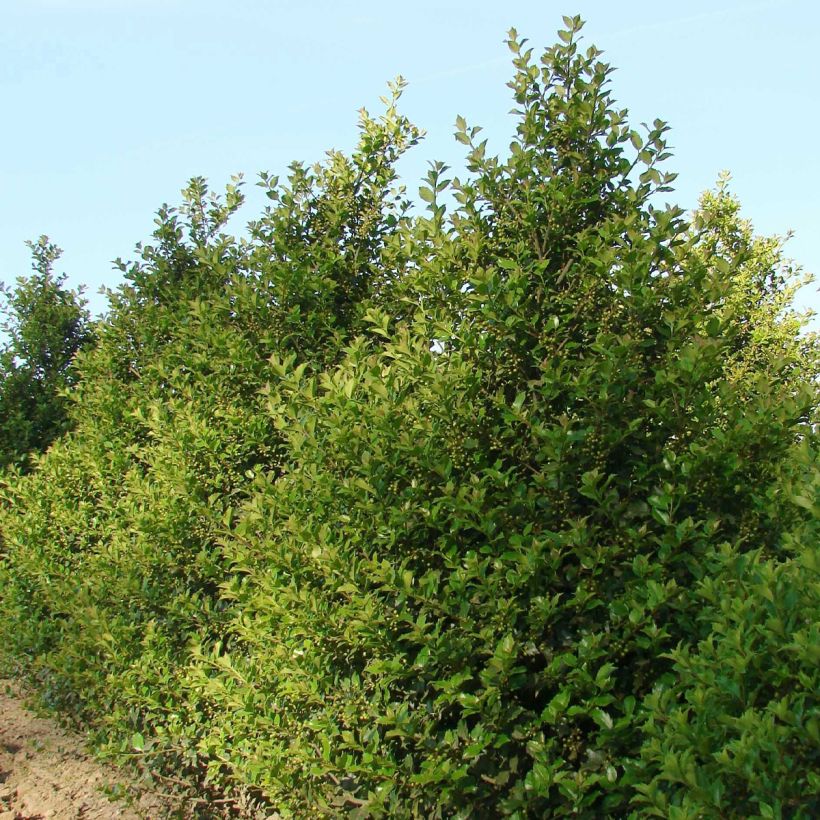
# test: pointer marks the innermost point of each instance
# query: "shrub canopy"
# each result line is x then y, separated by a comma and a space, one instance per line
46, 325
504, 508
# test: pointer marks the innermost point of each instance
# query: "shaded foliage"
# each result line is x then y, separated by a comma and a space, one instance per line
46, 326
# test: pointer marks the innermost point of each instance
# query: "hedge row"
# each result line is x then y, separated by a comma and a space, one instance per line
504, 508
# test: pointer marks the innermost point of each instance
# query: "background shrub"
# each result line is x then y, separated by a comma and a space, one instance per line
45, 325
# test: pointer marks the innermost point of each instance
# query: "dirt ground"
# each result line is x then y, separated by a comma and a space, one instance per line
45, 772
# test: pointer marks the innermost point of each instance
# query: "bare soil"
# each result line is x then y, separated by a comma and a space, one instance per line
46, 772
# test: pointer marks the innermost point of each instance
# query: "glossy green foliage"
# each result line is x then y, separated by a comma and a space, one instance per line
46, 325
505, 508
738, 733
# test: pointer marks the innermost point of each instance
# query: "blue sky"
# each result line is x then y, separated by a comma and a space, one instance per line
111, 105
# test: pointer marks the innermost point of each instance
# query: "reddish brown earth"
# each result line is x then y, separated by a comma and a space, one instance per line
46, 772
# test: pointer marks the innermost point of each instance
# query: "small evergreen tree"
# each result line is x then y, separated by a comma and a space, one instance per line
47, 325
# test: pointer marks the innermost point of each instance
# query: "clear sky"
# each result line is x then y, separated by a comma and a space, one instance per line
109, 106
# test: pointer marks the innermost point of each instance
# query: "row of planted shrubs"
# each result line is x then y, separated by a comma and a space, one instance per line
501, 508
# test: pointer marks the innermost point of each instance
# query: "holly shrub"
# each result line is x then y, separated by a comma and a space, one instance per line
500, 506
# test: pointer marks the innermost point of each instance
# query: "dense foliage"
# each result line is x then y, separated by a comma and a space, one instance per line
45, 326
502, 509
